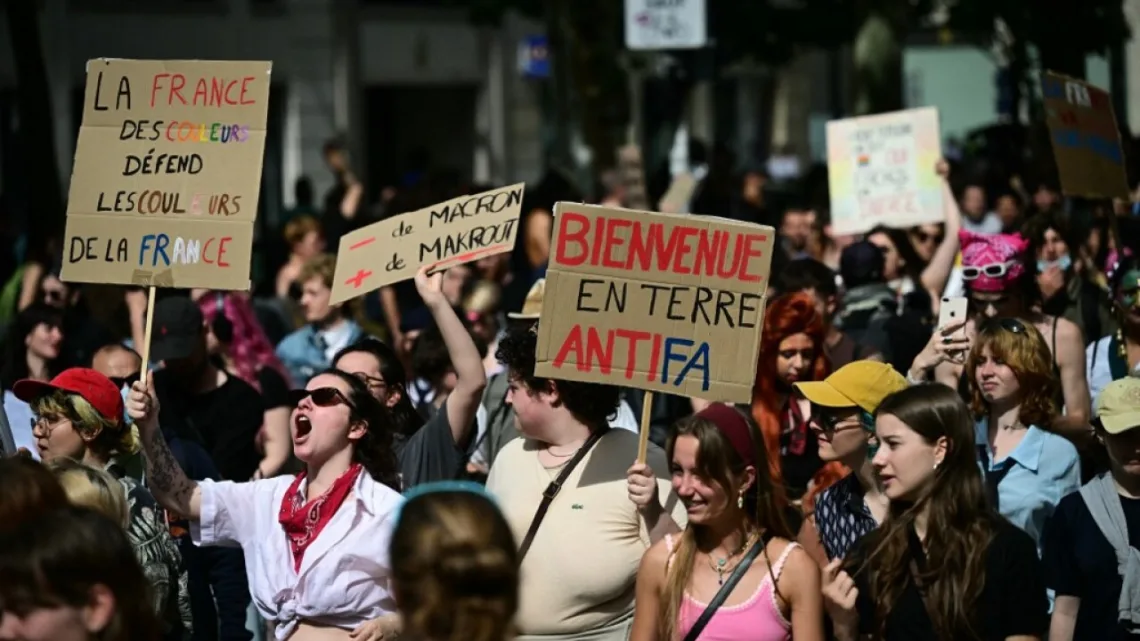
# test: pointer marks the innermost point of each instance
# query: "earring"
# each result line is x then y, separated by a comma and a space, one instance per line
936, 465
740, 500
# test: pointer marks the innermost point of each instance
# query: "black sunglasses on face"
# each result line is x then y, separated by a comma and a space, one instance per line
922, 237
126, 381
828, 422
322, 397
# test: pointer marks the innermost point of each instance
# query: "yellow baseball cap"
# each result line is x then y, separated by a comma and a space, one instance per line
861, 384
1118, 406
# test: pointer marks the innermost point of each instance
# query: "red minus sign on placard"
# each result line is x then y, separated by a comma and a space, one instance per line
361, 243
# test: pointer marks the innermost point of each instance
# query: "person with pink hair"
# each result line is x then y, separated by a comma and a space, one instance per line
1000, 284
236, 339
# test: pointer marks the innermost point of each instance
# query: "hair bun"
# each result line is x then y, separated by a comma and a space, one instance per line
466, 570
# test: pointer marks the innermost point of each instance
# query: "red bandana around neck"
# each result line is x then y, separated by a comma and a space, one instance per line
302, 523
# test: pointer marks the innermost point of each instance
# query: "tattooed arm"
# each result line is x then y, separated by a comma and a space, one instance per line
168, 483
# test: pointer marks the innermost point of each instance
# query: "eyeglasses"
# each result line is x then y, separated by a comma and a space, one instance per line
370, 381
1008, 324
43, 427
993, 270
829, 423
322, 397
923, 237
126, 381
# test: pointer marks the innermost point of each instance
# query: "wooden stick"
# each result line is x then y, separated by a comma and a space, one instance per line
643, 433
145, 347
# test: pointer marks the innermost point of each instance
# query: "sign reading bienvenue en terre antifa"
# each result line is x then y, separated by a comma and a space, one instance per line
1086, 142
660, 302
460, 230
167, 172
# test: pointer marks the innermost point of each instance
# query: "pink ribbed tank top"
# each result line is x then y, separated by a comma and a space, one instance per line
757, 619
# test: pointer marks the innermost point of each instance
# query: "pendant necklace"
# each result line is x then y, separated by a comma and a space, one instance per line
720, 566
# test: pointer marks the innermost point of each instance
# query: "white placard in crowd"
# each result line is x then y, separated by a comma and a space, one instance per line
665, 24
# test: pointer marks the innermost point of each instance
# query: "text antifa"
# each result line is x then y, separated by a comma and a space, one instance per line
587, 348
594, 241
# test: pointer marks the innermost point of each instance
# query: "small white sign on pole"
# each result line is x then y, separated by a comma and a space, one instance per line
665, 24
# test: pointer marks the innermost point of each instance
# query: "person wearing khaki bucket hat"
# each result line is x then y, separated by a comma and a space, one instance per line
842, 415
1091, 541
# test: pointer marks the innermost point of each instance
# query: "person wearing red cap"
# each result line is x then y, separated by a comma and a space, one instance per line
735, 520
79, 415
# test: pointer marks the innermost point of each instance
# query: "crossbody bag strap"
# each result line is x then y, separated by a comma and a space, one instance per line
726, 589
918, 566
552, 490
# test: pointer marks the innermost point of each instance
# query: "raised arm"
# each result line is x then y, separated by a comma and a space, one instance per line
466, 360
168, 483
1074, 384
937, 272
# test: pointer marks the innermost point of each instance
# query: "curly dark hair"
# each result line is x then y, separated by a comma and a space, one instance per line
404, 415
591, 403
374, 450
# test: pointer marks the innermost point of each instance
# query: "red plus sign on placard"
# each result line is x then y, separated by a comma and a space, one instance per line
358, 279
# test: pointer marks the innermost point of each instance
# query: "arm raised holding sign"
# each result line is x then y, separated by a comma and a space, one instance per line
463, 401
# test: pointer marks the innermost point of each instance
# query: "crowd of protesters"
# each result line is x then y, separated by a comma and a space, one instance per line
285, 468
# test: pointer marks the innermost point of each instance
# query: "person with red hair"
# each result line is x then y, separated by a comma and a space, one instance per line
791, 351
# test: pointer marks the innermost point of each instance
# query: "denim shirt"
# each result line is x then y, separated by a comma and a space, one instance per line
303, 352
1045, 468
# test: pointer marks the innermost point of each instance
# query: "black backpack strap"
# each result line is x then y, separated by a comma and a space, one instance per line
726, 589
552, 490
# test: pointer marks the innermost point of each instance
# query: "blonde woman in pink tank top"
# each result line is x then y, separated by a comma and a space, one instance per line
730, 503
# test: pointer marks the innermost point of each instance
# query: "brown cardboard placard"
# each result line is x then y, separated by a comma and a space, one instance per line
167, 173
660, 302
1086, 141
450, 233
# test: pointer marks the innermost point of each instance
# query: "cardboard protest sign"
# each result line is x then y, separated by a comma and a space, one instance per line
167, 172
655, 301
1086, 142
680, 193
881, 171
458, 231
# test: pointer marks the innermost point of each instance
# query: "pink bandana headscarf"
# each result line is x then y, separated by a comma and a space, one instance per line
982, 250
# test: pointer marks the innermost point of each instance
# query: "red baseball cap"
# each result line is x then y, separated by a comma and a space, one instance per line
91, 386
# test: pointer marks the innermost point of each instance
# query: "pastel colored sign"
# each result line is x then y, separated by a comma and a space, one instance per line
167, 172
881, 171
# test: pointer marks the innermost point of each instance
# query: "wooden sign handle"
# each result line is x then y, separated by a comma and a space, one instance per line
145, 347
643, 433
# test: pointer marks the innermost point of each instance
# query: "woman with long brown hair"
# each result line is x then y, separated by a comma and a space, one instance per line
791, 351
71, 575
943, 565
736, 524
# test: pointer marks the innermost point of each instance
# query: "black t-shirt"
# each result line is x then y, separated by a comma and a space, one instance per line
430, 454
274, 389
1080, 562
1013, 600
225, 421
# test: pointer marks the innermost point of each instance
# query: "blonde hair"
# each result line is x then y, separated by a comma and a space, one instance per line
455, 568
105, 437
321, 265
298, 228
88, 487
484, 298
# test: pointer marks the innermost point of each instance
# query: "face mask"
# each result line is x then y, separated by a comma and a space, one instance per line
1063, 263
126, 419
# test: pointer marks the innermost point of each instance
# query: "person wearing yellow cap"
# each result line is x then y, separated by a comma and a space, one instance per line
843, 407
1091, 542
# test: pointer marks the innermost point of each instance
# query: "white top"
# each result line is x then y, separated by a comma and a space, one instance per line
344, 577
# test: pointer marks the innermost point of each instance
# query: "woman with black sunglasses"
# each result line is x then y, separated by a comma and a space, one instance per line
316, 546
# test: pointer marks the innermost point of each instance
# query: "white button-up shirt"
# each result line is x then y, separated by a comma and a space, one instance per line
344, 576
